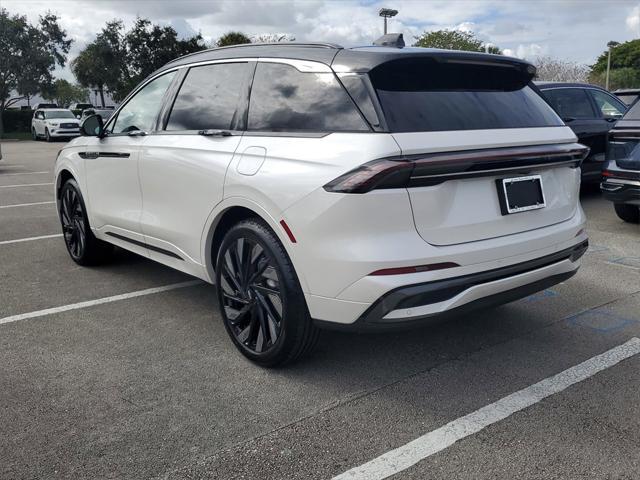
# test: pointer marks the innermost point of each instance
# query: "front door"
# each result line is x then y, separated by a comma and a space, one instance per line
111, 165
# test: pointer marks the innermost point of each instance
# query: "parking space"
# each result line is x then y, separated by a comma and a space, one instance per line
142, 383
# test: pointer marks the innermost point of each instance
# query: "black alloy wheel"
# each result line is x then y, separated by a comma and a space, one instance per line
82, 245
251, 295
47, 136
74, 228
260, 298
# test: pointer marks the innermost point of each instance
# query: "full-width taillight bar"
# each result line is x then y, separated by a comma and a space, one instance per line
432, 169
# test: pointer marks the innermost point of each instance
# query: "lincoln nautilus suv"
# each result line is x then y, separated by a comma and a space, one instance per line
319, 186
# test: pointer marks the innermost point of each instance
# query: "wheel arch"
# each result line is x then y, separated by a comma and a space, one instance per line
228, 213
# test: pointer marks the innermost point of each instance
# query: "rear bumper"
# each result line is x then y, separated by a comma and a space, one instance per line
413, 305
618, 192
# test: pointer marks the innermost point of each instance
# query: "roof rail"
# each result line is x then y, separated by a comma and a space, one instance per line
275, 44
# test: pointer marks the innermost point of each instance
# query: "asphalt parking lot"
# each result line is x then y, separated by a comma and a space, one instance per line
141, 383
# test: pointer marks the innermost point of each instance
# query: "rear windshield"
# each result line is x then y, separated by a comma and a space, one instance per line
423, 95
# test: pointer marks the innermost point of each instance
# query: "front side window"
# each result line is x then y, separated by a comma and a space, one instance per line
570, 102
609, 106
285, 99
141, 110
209, 97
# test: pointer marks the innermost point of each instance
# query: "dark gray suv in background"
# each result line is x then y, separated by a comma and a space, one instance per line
591, 112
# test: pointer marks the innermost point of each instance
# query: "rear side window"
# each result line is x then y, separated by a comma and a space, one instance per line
285, 99
570, 102
209, 97
424, 95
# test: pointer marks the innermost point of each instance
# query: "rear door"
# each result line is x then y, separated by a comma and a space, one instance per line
469, 126
183, 165
575, 107
609, 110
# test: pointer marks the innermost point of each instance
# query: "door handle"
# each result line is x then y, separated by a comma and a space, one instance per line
137, 133
214, 133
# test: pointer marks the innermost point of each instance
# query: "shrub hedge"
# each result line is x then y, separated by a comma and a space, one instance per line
20, 120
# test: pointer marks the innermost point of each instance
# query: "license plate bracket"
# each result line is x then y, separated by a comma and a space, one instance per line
520, 194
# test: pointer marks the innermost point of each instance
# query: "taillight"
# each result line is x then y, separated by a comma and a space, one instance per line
428, 169
383, 173
607, 173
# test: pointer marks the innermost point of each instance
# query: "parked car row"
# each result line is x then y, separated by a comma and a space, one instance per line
53, 123
591, 112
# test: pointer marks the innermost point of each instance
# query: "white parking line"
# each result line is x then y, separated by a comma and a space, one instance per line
25, 185
29, 239
22, 173
98, 301
25, 204
433, 442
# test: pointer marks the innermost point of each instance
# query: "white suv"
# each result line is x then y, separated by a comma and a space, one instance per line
364, 188
50, 123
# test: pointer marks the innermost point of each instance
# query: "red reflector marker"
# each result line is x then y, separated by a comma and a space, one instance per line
607, 173
288, 230
414, 269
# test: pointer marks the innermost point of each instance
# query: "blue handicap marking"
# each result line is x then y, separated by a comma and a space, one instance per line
601, 321
541, 295
628, 261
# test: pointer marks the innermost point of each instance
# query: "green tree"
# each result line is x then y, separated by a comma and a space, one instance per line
102, 63
625, 55
232, 38
454, 40
626, 77
625, 66
30, 53
64, 93
118, 60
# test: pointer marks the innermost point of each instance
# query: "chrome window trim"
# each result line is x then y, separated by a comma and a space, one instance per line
305, 66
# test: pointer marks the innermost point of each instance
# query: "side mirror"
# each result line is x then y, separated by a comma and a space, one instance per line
568, 119
92, 126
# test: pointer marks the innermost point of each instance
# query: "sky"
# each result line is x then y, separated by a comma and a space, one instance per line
575, 30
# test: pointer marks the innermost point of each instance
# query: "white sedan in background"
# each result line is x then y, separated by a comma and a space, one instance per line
51, 123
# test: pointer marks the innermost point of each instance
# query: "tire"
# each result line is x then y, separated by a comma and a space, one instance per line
46, 135
34, 135
628, 213
83, 247
261, 303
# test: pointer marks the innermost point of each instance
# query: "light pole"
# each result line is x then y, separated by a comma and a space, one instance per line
611, 45
487, 46
387, 13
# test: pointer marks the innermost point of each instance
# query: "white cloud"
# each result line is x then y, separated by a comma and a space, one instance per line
528, 52
566, 29
633, 20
